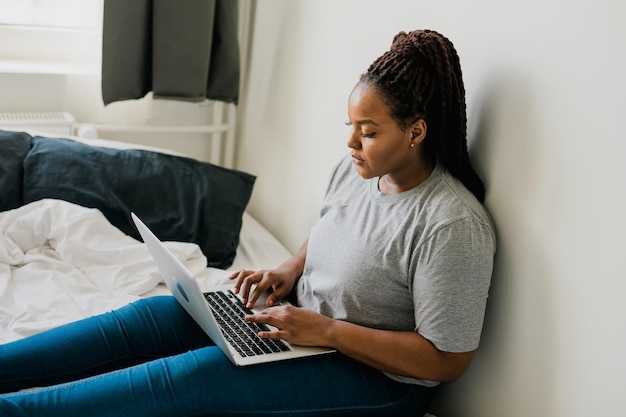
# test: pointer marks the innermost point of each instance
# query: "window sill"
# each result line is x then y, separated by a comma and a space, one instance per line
9, 66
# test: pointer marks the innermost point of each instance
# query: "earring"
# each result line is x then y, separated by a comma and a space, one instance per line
412, 145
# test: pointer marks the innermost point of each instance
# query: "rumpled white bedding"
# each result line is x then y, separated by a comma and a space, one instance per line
60, 262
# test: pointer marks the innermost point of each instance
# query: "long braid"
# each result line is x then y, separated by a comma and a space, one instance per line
420, 77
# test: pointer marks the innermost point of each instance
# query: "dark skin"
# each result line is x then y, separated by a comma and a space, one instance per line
380, 148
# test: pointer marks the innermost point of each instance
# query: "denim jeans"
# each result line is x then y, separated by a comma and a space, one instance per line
150, 358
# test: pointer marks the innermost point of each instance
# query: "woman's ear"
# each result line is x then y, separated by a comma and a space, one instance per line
418, 131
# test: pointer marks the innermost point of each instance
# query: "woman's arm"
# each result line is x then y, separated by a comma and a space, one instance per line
400, 353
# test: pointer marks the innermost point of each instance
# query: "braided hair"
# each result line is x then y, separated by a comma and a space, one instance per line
419, 77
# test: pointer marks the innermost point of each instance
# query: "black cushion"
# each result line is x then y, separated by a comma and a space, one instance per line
13, 149
180, 199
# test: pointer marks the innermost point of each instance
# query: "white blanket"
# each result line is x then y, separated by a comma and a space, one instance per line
60, 262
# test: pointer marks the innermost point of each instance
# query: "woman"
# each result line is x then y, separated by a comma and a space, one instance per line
394, 275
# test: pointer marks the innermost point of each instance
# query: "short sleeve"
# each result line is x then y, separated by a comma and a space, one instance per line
451, 273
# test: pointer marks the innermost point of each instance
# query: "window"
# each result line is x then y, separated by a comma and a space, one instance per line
50, 36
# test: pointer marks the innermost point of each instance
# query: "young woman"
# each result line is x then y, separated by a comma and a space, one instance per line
394, 275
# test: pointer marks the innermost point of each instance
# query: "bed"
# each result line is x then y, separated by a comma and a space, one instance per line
68, 249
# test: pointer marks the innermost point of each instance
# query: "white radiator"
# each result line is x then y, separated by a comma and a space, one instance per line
45, 122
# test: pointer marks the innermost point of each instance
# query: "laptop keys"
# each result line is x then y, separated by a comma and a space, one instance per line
243, 336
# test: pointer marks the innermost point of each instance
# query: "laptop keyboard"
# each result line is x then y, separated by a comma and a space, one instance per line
229, 312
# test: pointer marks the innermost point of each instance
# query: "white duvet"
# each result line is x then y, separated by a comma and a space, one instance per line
60, 262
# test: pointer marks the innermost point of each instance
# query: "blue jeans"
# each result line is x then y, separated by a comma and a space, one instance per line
150, 358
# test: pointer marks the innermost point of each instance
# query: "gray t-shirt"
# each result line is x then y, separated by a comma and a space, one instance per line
417, 261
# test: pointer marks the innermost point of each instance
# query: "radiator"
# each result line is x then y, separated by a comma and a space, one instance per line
45, 122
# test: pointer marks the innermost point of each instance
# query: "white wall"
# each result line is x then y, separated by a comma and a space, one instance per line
546, 104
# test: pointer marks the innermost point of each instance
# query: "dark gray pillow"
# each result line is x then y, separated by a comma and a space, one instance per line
180, 199
13, 149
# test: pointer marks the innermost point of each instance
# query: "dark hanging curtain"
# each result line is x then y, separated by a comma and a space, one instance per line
178, 49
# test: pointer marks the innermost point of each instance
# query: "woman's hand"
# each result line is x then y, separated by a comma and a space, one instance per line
296, 325
279, 281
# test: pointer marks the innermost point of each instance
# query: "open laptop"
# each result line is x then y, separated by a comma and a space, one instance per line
219, 312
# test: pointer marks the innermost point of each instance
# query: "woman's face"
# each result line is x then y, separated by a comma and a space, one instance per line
379, 146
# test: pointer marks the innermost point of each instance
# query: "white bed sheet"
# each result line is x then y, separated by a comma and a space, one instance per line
61, 262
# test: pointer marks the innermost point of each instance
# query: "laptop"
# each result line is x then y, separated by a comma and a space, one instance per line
219, 312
